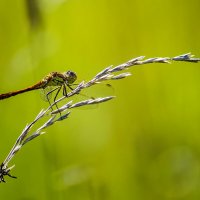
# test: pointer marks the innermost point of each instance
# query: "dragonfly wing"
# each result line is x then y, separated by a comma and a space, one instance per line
44, 92
99, 90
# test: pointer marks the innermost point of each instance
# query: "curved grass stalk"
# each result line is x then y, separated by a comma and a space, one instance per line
63, 112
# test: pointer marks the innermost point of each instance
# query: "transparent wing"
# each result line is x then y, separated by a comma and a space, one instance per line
99, 90
44, 92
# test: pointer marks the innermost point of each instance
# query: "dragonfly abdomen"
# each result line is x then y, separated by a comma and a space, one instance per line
39, 85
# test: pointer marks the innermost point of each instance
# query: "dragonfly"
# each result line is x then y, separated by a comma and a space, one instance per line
61, 80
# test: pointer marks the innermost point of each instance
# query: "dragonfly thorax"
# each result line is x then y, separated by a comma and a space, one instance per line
58, 79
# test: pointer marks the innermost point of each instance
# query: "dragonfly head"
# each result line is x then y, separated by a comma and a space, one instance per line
70, 76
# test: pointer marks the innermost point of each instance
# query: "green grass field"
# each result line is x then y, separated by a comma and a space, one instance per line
144, 144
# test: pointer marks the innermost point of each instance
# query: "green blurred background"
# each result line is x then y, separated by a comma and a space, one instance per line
143, 145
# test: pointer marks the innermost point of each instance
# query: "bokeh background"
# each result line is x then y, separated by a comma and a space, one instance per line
144, 144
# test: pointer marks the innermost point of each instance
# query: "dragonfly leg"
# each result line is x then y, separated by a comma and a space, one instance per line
59, 88
70, 87
47, 95
49, 102
64, 91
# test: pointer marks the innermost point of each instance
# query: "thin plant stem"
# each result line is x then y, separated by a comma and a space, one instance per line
63, 112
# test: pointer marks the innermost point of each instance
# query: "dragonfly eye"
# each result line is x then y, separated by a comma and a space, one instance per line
71, 76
